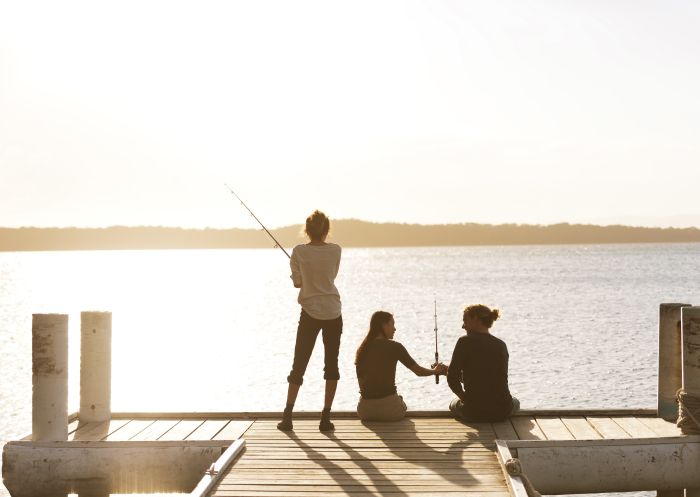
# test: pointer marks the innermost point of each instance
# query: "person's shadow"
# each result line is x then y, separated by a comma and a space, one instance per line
346, 480
446, 453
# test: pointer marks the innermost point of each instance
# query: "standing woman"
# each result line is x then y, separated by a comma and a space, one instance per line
375, 364
314, 268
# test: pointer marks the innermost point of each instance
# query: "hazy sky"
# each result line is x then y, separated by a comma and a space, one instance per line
431, 112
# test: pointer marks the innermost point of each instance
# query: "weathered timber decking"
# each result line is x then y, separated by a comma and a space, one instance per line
421, 456
429, 453
530, 425
157, 430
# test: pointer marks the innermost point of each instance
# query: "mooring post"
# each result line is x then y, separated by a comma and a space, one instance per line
49, 377
670, 360
690, 329
95, 366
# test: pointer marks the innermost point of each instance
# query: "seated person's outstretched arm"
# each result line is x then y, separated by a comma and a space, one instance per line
411, 364
421, 371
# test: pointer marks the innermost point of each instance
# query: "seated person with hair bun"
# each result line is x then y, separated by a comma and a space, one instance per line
478, 372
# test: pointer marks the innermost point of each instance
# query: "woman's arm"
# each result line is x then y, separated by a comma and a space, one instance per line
296, 271
421, 371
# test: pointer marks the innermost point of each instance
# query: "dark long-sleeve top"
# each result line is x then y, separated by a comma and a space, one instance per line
376, 371
480, 362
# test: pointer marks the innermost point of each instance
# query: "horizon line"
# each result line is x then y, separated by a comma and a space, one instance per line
464, 223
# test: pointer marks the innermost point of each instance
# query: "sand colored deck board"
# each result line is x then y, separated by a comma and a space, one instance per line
553, 428
233, 430
155, 430
527, 428
580, 428
504, 430
207, 430
97, 431
607, 427
181, 430
634, 427
661, 427
129, 430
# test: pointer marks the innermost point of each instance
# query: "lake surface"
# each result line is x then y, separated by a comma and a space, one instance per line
199, 330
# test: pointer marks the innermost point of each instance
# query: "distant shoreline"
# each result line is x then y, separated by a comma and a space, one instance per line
346, 232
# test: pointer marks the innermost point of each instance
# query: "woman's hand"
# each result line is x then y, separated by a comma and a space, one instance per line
440, 368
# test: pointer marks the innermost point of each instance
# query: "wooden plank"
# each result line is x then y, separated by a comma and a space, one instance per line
233, 430
129, 430
207, 430
607, 427
580, 428
350, 423
373, 436
527, 428
363, 429
342, 469
661, 427
554, 429
635, 428
155, 430
97, 431
502, 492
391, 444
374, 457
504, 430
274, 478
376, 487
181, 430
268, 449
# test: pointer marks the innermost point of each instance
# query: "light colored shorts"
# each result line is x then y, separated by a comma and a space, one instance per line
390, 408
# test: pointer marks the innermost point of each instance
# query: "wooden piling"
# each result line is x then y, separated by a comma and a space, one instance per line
49, 377
690, 319
670, 360
95, 366
690, 328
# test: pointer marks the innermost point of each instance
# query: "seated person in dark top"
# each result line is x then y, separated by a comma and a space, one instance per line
480, 362
375, 364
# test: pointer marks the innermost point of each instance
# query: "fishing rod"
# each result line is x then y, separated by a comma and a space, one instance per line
277, 244
437, 360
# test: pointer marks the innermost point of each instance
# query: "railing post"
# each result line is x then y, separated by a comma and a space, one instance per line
49, 377
670, 360
95, 366
690, 319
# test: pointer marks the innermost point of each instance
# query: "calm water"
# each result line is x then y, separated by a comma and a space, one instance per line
214, 330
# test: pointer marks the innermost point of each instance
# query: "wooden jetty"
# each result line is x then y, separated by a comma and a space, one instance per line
426, 454
99, 452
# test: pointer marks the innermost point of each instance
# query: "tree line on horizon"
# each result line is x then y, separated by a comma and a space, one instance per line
346, 232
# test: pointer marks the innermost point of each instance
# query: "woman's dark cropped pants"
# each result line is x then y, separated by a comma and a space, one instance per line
307, 332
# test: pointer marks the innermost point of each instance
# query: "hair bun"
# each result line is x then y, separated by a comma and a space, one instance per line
495, 314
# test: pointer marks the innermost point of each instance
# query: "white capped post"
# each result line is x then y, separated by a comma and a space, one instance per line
670, 360
95, 366
49, 377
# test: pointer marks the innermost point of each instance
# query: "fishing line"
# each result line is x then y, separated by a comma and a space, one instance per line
277, 244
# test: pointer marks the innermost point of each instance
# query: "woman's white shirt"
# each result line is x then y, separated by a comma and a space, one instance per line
314, 268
